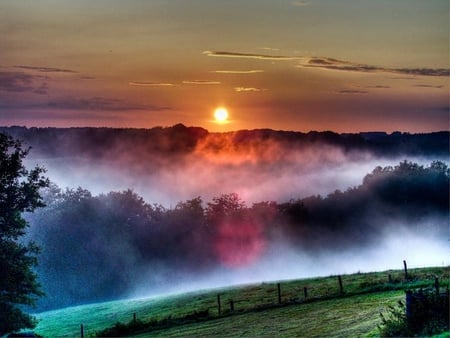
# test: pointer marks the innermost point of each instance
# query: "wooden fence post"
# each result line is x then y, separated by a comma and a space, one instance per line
231, 305
305, 292
341, 288
390, 278
279, 293
82, 331
406, 270
408, 305
218, 304
436, 285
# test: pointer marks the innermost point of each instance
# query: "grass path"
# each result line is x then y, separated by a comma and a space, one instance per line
343, 317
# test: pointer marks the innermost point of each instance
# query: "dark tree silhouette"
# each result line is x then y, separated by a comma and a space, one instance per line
19, 192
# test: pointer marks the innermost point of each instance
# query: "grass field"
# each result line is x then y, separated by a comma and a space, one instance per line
325, 311
342, 317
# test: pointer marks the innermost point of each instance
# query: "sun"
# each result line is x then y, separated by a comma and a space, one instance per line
221, 115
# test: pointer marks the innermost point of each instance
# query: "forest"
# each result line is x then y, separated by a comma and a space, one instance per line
180, 139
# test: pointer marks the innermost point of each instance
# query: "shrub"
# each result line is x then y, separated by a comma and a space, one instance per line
428, 314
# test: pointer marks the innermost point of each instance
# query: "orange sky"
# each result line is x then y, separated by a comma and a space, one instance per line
300, 65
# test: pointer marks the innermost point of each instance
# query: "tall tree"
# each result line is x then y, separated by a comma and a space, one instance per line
19, 193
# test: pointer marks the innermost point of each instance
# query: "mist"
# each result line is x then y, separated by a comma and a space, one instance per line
259, 167
180, 209
283, 261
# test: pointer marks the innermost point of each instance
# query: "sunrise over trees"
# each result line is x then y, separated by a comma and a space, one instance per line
222, 168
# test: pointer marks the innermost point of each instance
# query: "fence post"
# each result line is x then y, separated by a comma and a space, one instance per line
279, 293
341, 288
436, 285
406, 270
218, 304
305, 292
82, 331
231, 305
409, 304
134, 318
390, 278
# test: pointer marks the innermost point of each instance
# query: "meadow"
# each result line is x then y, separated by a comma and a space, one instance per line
324, 309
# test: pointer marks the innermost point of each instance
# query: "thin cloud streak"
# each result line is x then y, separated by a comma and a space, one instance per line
201, 82
340, 65
151, 84
100, 104
46, 69
253, 71
428, 86
353, 91
249, 89
300, 3
249, 55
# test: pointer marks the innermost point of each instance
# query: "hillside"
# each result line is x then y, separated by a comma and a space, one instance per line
324, 312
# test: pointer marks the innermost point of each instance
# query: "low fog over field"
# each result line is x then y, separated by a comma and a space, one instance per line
175, 209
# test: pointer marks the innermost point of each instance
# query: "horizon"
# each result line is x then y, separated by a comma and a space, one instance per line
232, 130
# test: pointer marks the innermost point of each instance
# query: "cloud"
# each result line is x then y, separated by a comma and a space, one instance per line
269, 48
42, 89
99, 104
248, 55
253, 71
353, 91
248, 89
20, 82
428, 86
201, 82
379, 87
300, 3
334, 64
46, 69
150, 84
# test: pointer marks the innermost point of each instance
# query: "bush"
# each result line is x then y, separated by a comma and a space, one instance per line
428, 314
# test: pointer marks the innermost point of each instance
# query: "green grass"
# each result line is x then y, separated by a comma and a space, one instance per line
342, 317
325, 312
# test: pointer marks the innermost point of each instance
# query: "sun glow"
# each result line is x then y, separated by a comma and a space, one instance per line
221, 115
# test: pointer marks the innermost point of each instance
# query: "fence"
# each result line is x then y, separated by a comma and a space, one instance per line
267, 295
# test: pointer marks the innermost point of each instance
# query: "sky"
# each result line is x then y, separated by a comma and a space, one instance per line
346, 66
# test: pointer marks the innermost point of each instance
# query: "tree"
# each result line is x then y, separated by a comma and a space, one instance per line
19, 193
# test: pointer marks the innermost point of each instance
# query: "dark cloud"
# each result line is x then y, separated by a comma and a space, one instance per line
46, 69
21, 82
379, 87
100, 103
353, 91
334, 64
428, 86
